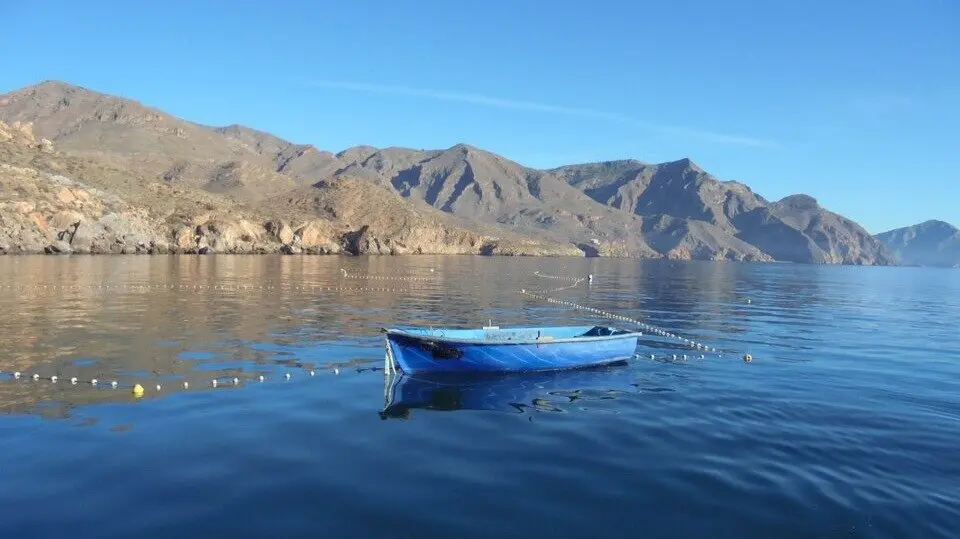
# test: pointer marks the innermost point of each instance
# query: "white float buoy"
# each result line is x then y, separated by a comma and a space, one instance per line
287, 376
36, 376
16, 375
54, 378
73, 380
261, 378
312, 373
93, 382
186, 385
213, 382
114, 384
236, 381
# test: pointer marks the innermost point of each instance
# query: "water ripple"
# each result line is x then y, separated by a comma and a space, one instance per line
845, 424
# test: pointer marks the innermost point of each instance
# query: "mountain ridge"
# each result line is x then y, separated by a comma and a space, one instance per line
795, 228
56, 203
930, 243
613, 208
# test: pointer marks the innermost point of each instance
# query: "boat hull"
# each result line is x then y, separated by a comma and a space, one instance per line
413, 353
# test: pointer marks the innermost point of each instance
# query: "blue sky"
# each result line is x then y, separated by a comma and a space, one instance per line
855, 102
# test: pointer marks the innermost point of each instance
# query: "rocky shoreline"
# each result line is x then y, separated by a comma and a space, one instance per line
121, 247
53, 203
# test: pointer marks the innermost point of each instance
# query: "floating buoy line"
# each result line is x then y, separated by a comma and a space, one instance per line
347, 275
197, 287
139, 389
285, 287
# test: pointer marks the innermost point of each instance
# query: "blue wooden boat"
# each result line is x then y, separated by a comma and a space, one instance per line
520, 349
503, 392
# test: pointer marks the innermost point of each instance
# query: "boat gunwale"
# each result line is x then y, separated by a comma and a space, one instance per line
484, 342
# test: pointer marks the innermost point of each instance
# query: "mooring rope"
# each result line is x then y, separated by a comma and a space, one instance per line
558, 277
541, 295
562, 288
575, 282
606, 314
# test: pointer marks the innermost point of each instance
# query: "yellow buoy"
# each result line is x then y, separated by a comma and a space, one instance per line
138, 390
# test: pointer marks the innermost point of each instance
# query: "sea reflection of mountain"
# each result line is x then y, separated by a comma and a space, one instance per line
513, 393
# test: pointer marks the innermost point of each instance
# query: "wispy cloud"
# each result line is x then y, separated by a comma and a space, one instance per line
488, 101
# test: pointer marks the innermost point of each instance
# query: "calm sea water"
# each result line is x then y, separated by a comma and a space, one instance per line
845, 424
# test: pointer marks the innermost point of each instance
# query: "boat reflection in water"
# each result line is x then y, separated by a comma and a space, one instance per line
504, 392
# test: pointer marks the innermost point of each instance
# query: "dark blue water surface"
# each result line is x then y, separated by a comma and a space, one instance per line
845, 424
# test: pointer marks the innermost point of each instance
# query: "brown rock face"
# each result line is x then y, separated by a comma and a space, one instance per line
42, 211
798, 229
725, 220
318, 237
280, 230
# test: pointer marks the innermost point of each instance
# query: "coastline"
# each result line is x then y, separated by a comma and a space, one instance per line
206, 252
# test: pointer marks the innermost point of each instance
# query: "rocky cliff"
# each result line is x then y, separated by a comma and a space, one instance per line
486, 189
931, 243
795, 229
51, 202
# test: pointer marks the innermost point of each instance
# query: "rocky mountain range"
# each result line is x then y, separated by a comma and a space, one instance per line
56, 202
236, 189
931, 243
